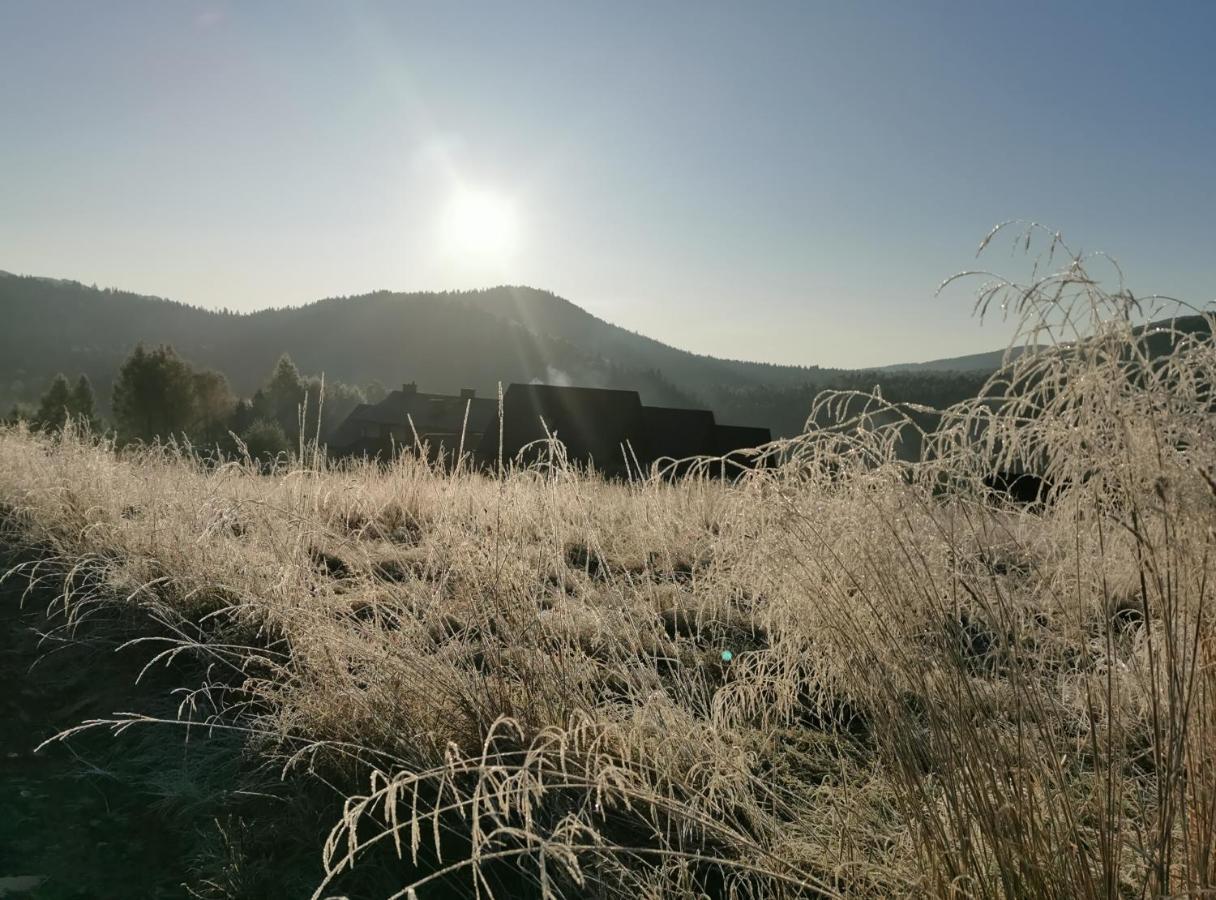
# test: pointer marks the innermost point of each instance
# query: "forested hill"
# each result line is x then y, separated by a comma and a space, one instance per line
546, 313
443, 341
974, 362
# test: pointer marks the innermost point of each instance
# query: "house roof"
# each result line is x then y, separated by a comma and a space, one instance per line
430, 413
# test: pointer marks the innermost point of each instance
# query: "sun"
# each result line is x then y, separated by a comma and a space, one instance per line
480, 224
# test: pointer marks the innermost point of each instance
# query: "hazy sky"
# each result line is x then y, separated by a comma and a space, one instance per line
786, 182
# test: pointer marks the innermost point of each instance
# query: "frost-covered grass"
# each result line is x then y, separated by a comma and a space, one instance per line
841, 675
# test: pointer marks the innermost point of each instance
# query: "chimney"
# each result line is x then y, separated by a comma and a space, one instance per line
410, 387
467, 393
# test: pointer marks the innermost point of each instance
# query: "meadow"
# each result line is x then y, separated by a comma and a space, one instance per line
841, 674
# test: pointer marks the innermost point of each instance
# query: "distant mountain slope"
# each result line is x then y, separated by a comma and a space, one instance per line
974, 362
543, 312
440, 339
1158, 343
443, 341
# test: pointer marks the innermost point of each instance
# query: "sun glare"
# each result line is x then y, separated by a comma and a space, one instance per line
480, 224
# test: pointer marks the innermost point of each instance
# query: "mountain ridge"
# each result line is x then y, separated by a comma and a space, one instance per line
558, 308
444, 341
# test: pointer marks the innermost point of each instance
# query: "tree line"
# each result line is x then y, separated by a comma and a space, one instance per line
158, 394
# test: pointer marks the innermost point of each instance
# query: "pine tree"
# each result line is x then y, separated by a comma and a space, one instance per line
82, 403
214, 405
54, 407
282, 395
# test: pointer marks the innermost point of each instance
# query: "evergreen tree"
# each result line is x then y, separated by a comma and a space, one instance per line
243, 416
214, 405
153, 395
82, 404
55, 405
279, 400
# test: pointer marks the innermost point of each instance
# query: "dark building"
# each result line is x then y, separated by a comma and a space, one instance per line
439, 420
730, 439
611, 429
673, 435
608, 428
592, 423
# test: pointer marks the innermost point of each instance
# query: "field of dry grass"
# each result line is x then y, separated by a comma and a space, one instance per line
844, 675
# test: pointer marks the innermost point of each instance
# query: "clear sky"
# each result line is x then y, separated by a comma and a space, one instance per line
786, 182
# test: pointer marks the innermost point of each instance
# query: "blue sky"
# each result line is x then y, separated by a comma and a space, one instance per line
786, 182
